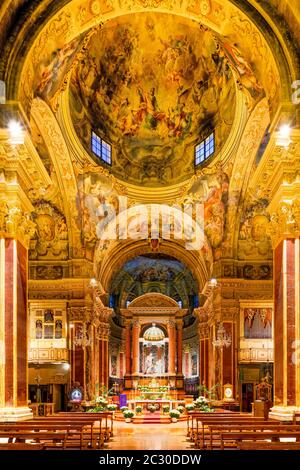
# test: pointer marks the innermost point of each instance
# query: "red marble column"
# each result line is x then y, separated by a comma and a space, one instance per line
128, 349
187, 363
172, 348
287, 323
203, 361
121, 364
13, 330
136, 329
78, 364
101, 368
106, 365
179, 348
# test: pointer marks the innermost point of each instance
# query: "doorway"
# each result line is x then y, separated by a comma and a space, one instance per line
247, 396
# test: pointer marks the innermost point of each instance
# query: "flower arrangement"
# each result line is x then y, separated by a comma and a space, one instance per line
152, 408
96, 409
101, 401
163, 388
175, 414
190, 407
180, 409
128, 414
112, 407
138, 409
123, 408
144, 388
166, 408
202, 404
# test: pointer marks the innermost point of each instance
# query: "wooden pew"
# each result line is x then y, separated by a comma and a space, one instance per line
191, 416
75, 430
50, 439
216, 430
108, 416
296, 417
260, 445
95, 435
21, 446
238, 437
203, 423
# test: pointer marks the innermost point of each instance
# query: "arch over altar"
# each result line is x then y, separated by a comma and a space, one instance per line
154, 341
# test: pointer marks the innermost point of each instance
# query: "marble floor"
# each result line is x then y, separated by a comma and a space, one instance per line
129, 436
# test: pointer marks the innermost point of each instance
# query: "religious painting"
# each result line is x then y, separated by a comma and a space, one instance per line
48, 316
156, 273
39, 329
113, 365
194, 364
153, 104
52, 71
258, 323
58, 329
153, 358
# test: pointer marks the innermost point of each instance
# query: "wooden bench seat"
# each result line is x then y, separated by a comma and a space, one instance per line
234, 438
214, 431
75, 431
96, 433
21, 446
108, 416
260, 445
50, 439
199, 430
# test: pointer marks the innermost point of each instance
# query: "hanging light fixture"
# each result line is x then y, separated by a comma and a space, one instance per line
223, 339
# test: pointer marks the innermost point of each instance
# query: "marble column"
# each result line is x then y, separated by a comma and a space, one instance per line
179, 347
172, 347
286, 328
128, 348
15, 232
136, 330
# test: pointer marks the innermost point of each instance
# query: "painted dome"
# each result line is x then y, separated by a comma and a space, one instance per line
154, 333
153, 104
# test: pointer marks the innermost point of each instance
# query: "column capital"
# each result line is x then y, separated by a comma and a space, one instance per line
171, 324
83, 314
15, 209
284, 221
136, 324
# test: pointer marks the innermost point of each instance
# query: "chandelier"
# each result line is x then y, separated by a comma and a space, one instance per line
222, 338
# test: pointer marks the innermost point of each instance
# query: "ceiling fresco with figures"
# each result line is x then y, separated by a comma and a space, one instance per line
154, 273
154, 104
88, 65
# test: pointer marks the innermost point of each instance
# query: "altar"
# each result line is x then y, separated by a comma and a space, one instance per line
145, 403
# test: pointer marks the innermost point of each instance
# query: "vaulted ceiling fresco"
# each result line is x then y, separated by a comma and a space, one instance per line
154, 273
153, 105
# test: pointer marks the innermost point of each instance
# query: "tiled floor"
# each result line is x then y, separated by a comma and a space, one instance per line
149, 436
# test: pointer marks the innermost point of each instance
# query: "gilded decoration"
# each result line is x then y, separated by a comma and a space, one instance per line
254, 241
51, 240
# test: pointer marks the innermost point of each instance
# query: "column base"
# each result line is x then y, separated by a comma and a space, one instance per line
283, 413
21, 413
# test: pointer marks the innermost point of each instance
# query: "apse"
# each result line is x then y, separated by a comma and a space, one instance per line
154, 273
